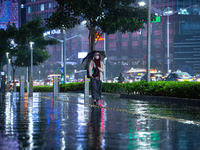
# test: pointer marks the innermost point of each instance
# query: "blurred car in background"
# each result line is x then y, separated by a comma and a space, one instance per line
155, 76
197, 78
109, 80
137, 78
115, 80
179, 76
48, 82
16, 81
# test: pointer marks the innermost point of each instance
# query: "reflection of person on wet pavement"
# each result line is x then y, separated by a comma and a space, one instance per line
95, 138
96, 82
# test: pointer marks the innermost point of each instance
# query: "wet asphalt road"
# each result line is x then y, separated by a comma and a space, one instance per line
73, 123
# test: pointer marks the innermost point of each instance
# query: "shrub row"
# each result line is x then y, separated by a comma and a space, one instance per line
159, 88
163, 88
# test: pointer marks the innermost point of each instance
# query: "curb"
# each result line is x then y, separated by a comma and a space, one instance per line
162, 99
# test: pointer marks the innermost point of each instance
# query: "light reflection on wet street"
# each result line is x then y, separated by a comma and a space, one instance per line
43, 123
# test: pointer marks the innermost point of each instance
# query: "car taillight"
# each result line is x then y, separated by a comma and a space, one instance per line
153, 77
163, 77
179, 79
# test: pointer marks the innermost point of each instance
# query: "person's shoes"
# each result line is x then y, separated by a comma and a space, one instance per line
95, 101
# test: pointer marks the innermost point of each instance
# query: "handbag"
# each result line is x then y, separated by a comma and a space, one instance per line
94, 72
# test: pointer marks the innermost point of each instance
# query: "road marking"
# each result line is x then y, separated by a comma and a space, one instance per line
131, 112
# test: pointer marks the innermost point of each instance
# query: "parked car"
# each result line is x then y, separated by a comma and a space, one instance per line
197, 78
48, 82
109, 80
155, 76
179, 76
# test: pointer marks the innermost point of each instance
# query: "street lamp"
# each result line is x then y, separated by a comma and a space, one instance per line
31, 45
105, 55
7, 71
9, 77
31, 77
168, 12
63, 53
148, 37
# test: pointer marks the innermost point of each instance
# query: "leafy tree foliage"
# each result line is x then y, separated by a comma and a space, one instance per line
101, 16
4, 46
32, 31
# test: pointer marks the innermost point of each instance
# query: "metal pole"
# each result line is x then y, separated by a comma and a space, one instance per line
148, 40
31, 77
27, 83
55, 87
8, 76
64, 55
168, 43
86, 88
22, 79
31, 61
61, 54
9, 73
105, 58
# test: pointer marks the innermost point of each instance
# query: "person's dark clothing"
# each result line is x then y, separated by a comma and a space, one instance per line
120, 78
96, 87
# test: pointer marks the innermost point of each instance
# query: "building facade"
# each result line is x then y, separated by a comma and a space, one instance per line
127, 49
8, 12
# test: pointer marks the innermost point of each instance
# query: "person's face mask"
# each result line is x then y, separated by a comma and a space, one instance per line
96, 57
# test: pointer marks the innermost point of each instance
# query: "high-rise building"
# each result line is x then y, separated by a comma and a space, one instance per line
8, 12
44, 8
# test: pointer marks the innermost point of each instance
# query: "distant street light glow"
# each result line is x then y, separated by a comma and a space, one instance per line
142, 4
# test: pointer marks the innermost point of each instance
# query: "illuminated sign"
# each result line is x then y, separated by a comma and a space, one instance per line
158, 19
52, 32
82, 54
99, 38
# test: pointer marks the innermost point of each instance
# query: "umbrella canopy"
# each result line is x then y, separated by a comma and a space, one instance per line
89, 57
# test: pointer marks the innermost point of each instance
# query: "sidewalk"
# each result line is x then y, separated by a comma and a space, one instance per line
70, 122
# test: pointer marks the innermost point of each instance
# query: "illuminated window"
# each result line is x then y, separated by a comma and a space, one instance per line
42, 7
49, 5
29, 9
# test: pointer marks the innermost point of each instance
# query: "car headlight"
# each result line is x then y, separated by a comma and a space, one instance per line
198, 79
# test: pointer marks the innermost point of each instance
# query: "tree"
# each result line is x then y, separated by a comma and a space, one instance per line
101, 16
4, 46
32, 31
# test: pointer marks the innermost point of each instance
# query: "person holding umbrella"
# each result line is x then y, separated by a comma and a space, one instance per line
95, 69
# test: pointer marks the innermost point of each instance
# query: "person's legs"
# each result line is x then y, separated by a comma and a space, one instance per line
99, 88
94, 89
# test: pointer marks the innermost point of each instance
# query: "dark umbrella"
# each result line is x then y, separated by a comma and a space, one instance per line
89, 57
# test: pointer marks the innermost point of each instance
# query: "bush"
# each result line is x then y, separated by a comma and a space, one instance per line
158, 88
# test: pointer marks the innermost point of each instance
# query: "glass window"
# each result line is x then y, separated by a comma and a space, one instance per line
49, 5
29, 9
183, 74
190, 27
42, 7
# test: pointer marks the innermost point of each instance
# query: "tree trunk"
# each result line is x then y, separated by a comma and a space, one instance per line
29, 73
1, 68
14, 70
91, 39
